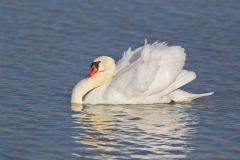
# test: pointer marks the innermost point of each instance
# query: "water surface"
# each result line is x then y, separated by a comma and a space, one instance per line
47, 46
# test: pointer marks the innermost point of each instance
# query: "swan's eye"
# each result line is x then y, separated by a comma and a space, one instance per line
96, 64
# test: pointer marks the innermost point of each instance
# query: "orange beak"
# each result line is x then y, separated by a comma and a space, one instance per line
92, 71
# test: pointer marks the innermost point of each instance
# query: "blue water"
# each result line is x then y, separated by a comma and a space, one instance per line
46, 47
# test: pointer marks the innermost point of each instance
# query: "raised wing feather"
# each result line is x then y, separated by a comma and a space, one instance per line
146, 71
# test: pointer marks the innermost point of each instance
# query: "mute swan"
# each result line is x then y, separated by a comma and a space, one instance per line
149, 74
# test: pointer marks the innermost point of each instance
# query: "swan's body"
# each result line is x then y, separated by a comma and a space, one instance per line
149, 74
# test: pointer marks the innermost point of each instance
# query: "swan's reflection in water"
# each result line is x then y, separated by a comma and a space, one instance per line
142, 132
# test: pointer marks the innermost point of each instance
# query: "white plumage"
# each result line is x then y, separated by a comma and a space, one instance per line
149, 74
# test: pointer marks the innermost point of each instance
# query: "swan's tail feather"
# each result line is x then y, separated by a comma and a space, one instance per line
183, 96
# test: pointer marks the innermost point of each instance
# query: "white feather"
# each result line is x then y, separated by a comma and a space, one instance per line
149, 74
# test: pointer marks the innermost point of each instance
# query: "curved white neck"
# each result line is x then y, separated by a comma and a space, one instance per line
86, 85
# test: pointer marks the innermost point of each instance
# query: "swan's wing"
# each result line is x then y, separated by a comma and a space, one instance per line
146, 71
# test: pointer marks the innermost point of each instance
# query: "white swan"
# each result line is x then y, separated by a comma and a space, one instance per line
149, 74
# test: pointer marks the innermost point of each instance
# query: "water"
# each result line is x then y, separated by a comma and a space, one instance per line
47, 46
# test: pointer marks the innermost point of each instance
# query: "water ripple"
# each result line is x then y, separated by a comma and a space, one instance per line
47, 46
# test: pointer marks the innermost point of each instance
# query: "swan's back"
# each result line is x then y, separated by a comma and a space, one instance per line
148, 69
144, 73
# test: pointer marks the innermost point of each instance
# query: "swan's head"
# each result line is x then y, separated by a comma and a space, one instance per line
102, 64
101, 72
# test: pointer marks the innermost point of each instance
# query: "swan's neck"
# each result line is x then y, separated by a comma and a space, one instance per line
86, 85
